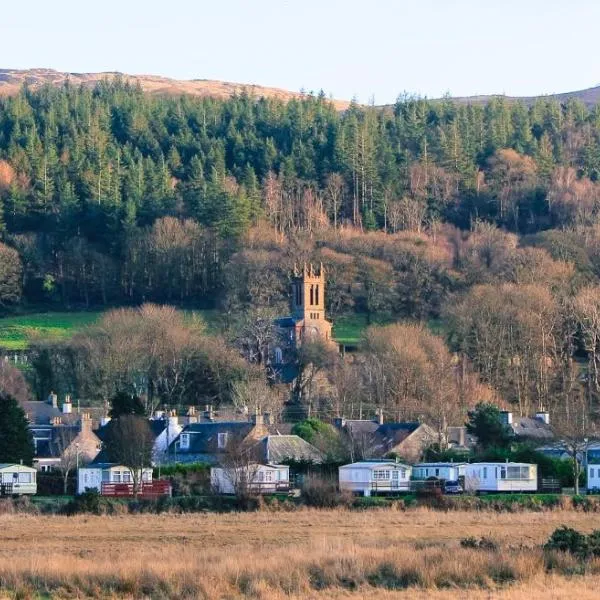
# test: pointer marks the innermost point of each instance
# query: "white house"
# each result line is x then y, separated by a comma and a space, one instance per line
441, 470
93, 476
377, 476
261, 479
166, 434
17, 479
501, 477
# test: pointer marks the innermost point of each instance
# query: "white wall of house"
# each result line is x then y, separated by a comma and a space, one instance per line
20, 478
368, 477
447, 471
501, 477
164, 439
593, 477
265, 479
93, 477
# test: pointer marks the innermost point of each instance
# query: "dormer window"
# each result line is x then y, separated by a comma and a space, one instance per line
222, 440
184, 441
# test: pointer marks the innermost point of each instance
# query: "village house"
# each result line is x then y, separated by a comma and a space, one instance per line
535, 429
211, 442
375, 477
60, 432
377, 439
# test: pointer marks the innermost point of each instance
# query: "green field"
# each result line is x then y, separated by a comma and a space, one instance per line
17, 332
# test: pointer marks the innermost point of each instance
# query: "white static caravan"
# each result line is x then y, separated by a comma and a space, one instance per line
260, 479
593, 478
17, 479
368, 477
93, 476
441, 470
501, 477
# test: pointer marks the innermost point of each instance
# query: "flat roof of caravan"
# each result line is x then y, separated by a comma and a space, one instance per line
369, 464
12, 465
460, 464
505, 464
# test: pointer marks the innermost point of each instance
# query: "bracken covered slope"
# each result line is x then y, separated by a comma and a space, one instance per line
11, 81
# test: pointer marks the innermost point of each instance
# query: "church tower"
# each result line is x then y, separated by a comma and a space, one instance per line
308, 293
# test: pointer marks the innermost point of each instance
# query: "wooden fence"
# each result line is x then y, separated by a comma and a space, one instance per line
147, 489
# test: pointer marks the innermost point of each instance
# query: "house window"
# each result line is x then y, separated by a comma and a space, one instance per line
278, 356
184, 441
591, 472
222, 440
117, 476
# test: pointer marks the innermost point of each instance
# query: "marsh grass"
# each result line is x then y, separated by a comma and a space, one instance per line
303, 554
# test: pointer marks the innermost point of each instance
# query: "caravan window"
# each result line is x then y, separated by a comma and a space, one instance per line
381, 475
485, 472
24, 477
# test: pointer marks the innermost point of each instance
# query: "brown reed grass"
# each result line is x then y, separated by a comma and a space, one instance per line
304, 554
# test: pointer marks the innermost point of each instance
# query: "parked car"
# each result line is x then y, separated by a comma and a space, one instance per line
452, 487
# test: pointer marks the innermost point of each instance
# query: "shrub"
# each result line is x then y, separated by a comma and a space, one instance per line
566, 539
323, 493
484, 543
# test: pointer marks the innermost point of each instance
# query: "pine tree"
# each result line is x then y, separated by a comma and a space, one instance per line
16, 444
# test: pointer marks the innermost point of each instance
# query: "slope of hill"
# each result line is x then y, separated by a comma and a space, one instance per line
589, 96
11, 81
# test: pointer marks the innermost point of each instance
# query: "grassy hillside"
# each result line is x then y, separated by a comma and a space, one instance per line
17, 332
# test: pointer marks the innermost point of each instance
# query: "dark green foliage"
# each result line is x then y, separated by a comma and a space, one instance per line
566, 539
486, 425
16, 444
310, 428
123, 403
89, 171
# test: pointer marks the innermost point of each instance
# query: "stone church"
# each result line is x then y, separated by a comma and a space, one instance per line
307, 321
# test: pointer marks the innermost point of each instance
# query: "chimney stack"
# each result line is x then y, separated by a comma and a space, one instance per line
339, 422
379, 418
67, 407
257, 418
543, 416
267, 418
208, 412
85, 423
53, 400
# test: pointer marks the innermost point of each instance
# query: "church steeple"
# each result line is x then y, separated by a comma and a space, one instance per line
308, 293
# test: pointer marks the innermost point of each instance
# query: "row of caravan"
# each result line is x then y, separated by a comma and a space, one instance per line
381, 476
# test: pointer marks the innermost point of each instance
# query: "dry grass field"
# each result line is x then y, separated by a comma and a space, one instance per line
302, 554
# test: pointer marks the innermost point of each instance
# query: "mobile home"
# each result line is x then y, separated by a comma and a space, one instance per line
374, 477
501, 477
440, 470
256, 478
593, 477
101, 475
17, 479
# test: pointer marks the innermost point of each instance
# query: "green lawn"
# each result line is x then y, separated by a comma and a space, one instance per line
348, 329
17, 332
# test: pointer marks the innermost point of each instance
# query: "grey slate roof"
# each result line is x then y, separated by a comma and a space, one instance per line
532, 428
280, 448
